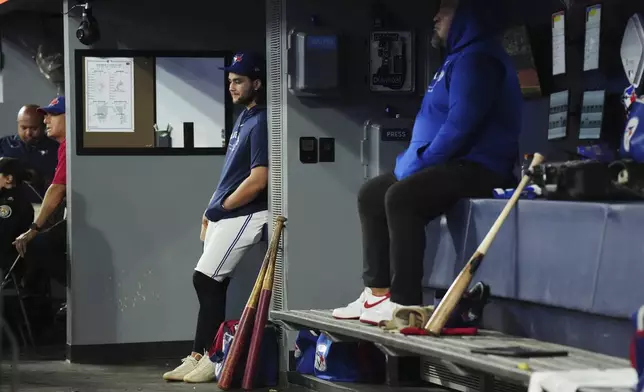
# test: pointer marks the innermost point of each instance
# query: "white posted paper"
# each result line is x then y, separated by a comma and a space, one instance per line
558, 119
591, 46
559, 43
592, 114
109, 94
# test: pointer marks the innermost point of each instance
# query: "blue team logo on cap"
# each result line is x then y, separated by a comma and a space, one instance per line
238, 58
56, 106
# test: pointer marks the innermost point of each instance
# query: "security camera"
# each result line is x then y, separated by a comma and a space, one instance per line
88, 33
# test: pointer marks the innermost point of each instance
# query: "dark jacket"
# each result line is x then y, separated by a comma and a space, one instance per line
16, 215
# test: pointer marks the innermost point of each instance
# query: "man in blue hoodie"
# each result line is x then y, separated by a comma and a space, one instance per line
464, 144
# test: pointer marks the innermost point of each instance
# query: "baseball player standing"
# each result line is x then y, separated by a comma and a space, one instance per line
236, 215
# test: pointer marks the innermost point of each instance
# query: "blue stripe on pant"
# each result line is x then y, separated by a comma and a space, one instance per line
232, 245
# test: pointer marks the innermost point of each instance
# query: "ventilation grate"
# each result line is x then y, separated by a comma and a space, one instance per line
507, 386
276, 47
436, 373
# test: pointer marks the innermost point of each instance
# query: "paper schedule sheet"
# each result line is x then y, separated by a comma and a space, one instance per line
559, 43
591, 45
558, 116
109, 94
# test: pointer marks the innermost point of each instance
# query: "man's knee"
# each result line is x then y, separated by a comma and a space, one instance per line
372, 192
363, 194
204, 283
398, 197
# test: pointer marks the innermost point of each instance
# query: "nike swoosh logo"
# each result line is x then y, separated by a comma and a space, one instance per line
367, 305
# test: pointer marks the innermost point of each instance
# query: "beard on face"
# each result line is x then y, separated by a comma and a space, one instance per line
247, 97
437, 41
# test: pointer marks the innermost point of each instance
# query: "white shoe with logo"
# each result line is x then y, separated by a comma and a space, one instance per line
379, 312
355, 309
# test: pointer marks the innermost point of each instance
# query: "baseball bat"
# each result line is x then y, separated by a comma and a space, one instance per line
441, 314
248, 315
260, 320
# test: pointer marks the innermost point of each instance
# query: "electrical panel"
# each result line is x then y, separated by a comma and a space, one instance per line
313, 64
383, 140
391, 61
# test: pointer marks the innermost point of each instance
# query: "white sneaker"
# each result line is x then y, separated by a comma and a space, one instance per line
189, 364
382, 311
204, 372
354, 310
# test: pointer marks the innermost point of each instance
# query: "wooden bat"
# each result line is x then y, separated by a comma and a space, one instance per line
451, 299
260, 319
248, 315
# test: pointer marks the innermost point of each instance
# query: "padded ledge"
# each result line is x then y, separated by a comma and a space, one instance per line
574, 255
454, 350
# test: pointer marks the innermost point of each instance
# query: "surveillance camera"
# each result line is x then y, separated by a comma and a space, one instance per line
88, 32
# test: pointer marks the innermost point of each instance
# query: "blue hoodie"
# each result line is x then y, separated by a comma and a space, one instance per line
472, 108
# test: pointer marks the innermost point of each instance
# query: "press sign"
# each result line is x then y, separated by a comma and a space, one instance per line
395, 135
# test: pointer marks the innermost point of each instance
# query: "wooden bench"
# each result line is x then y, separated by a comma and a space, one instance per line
448, 361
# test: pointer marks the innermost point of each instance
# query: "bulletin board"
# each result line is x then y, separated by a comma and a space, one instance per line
151, 102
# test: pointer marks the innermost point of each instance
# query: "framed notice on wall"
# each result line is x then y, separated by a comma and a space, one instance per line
152, 102
109, 94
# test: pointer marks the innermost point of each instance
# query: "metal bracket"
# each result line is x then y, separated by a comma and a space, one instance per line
402, 367
364, 159
335, 338
285, 325
392, 352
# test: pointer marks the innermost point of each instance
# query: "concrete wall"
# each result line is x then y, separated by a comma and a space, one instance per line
135, 220
22, 84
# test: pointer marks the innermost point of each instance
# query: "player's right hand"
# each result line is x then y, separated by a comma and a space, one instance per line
204, 226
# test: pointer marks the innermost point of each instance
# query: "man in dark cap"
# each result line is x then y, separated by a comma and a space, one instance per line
236, 215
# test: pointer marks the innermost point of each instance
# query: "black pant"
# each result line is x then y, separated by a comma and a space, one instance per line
394, 214
47, 254
212, 309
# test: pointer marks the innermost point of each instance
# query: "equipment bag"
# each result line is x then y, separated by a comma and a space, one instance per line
267, 374
469, 311
586, 180
305, 351
348, 361
632, 145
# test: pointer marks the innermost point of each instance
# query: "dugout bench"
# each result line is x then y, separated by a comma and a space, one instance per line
561, 274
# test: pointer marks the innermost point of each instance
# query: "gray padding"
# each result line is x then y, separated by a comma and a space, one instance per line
580, 256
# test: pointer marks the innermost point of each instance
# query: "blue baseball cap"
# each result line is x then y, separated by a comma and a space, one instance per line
246, 64
56, 106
